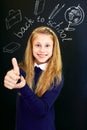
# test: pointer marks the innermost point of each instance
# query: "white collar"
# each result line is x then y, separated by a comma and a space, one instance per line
41, 66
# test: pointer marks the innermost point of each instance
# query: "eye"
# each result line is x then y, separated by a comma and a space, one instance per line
47, 45
37, 45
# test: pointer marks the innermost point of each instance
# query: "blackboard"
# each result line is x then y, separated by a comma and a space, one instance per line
68, 18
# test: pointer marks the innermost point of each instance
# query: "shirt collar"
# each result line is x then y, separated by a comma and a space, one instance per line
41, 66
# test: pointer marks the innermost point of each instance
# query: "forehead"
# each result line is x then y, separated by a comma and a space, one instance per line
39, 36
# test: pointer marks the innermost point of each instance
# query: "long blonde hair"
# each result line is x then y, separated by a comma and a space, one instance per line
53, 69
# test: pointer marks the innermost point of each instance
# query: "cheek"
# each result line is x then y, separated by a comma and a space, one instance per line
34, 49
51, 51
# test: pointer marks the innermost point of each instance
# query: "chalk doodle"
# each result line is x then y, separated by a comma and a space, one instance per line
11, 47
55, 11
54, 24
39, 7
61, 31
74, 16
24, 28
57, 26
40, 19
13, 18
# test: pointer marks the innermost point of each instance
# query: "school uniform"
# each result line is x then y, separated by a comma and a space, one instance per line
33, 112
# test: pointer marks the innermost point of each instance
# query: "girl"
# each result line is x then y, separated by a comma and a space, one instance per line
38, 81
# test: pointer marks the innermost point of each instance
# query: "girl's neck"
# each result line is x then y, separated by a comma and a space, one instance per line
42, 66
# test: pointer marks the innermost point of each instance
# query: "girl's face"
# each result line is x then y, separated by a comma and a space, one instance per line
42, 48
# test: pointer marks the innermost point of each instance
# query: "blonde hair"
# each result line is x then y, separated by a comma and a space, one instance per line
53, 69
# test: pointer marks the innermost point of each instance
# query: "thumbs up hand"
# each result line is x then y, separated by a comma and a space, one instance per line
12, 77
15, 66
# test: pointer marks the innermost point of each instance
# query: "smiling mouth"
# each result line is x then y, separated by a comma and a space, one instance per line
42, 55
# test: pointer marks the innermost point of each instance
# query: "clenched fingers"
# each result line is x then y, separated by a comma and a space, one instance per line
11, 79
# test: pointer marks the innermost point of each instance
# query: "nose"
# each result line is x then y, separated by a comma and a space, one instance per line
42, 49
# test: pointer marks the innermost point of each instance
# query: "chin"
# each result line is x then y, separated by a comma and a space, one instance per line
41, 62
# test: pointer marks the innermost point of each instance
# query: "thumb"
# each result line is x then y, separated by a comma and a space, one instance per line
15, 65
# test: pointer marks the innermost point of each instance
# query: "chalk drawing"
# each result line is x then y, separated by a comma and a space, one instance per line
74, 16
66, 39
55, 11
59, 30
11, 47
39, 6
40, 19
54, 24
24, 28
13, 18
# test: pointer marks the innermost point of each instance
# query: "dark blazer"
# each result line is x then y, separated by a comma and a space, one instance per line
34, 113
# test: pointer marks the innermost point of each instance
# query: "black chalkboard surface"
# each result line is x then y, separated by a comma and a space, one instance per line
69, 20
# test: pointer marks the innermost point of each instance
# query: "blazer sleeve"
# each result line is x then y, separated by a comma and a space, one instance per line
40, 105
